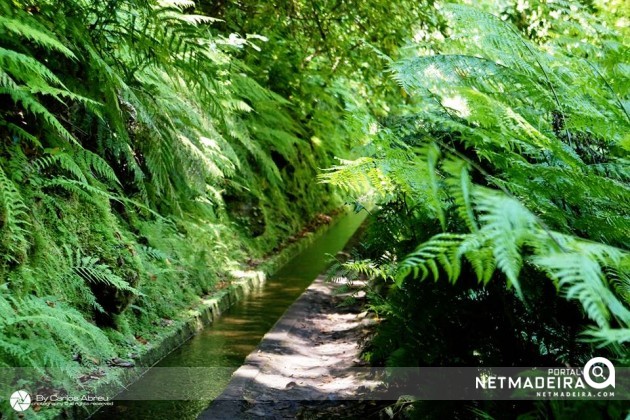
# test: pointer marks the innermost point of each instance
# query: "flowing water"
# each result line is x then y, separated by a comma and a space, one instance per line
223, 345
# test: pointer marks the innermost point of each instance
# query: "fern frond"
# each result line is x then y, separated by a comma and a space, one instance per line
442, 248
22, 97
507, 224
26, 69
98, 165
581, 278
461, 188
89, 269
64, 160
14, 220
35, 34
608, 336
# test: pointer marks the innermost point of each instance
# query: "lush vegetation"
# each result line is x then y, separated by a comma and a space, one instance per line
141, 162
150, 147
505, 173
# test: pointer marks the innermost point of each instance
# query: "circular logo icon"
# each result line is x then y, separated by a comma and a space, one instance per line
20, 400
592, 371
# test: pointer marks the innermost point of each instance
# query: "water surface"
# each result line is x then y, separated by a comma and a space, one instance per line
218, 350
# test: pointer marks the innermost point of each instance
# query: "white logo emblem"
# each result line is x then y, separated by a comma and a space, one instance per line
20, 400
598, 372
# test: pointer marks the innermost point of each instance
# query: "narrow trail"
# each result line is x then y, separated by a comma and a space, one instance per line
303, 365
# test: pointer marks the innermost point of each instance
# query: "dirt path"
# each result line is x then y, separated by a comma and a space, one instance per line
303, 365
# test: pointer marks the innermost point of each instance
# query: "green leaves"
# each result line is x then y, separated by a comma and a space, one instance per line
24, 77
523, 155
123, 115
44, 332
582, 271
90, 270
14, 221
506, 224
23, 27
442, 249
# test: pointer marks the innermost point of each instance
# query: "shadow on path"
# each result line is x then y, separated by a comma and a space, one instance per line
304, 364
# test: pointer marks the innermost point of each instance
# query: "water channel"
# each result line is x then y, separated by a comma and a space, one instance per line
224, 344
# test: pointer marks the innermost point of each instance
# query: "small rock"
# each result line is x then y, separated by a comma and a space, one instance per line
166, 322
116, 362
362, 315
142, 340
368, 322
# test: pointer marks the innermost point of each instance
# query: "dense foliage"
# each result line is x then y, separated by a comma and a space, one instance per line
128, 129
506, 174
150, 147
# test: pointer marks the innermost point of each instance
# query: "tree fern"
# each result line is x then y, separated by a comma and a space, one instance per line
572, 263
521, 136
